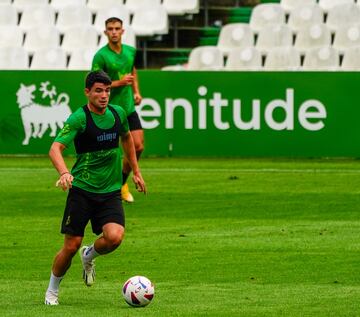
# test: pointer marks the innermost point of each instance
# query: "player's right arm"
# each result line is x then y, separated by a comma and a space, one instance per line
56, 157
74, 124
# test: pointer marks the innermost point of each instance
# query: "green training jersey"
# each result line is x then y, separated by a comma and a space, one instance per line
116, 66
99, 171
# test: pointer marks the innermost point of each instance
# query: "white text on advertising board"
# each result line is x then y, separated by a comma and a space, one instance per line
310, 114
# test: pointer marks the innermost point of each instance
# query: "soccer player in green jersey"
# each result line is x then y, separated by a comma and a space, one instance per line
117, 60
95, 180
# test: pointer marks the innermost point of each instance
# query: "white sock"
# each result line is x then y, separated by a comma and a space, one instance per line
54, 283
90, 253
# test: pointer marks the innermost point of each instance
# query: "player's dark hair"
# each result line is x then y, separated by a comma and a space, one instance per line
98, 76
112, 20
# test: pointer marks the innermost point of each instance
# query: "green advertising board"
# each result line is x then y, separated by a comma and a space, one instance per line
303, 114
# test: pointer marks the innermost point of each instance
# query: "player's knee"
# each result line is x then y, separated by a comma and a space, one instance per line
115, 238
71, 247
139, 148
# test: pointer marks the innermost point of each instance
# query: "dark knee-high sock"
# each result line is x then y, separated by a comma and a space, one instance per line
124, 177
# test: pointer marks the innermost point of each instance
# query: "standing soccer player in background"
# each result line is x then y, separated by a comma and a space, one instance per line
94, 182
117, 60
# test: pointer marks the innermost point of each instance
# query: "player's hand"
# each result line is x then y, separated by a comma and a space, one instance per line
137, 99
139, 183
127, 79
65, 181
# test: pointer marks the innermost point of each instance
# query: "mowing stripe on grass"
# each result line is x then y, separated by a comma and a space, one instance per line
208, 170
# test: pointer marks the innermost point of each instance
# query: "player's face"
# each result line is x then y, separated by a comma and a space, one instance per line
114, 32
98, 96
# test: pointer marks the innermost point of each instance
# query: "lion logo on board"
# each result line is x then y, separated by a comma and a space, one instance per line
38, 118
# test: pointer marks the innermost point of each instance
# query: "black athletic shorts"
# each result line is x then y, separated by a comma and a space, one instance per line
134, 121
100, 209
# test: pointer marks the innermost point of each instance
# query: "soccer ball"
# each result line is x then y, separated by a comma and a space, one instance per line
138, 291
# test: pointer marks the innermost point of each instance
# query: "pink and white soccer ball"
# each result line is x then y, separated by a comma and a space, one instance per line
138, 291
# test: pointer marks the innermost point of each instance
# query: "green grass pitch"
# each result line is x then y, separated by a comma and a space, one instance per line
218, 237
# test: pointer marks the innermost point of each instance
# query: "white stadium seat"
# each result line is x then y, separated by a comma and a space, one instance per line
341, 15
266, 14
49, 59
42, 38
347, 36
22, 5
206, 58
135, 5
61, 4
11, 35
73, 16
313, 36
326, 5
304, 16
81, 59
283, 59
235, 35
289, 5
176, 7
351, 59
244, 59
97, 5
324, 59
118, 11
128, 38
150, 21
274, 36
8, 15
14, 58
79, 37
35, 16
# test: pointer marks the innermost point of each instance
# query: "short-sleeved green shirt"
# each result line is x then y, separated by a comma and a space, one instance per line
116, 66
100, 171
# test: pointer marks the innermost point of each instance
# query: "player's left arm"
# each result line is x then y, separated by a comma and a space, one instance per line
127, 144
136, 88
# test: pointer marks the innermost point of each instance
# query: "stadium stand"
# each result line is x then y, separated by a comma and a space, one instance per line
25, 5
80, 37
81, 59
135, 5
42, 38
289, 5
250, 34
305, 15
47, 59
326, 5
351, 59
8, 15
150, 21
176, 7
274, 36
283, 59
235, 35
14, 58
206, 58
74, 15
244, 59
61, 4
36, 16
265, 15
313, 36
11, 35
119, 11
347, 37
341, 15
96, 5
323, 58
